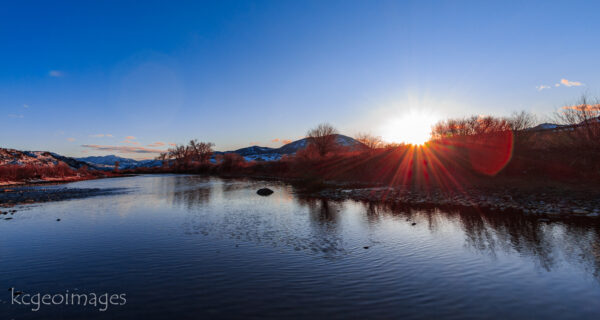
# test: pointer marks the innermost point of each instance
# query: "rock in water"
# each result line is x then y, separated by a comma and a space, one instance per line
264, 191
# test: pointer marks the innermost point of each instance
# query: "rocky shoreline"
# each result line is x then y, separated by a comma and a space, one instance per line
527, 197
550, 203
556, 201
10, 197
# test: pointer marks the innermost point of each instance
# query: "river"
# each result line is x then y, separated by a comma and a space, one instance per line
183, 246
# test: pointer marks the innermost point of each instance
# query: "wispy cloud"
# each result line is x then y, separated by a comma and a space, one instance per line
129, 139
283, 141
16, 116
568, 83
26, 106
102, 135
56, 73
122, 149
157, 144
542, 87
172, 144
563, 81
584, 107
70, 139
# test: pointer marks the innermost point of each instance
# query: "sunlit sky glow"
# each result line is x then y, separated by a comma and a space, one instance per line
129, 78
413, 127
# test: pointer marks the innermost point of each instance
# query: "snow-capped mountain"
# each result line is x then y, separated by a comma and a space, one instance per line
544, 126
253, 153
553, 126
38, 159
108, 162
256, 153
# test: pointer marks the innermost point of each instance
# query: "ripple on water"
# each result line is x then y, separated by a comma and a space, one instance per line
194, 246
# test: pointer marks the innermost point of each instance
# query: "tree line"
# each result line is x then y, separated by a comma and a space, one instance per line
322, 139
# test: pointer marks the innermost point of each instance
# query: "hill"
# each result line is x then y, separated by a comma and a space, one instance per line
108, 162
270, 154
253, 153
38, 159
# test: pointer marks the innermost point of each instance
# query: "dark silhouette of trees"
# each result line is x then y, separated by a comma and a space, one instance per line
83, 171
200, 151
231, 160
482, 125
520, 121
372, 142
164, 158
180, 155
195, 153
323, 138
583, 121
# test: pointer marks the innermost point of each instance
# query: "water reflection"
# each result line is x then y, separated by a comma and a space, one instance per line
324, 221
189, 191
322, 211
218, 250
548, 242
313, 224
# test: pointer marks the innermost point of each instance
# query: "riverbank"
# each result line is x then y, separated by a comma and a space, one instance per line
532, 179
10, 197
535, 199
46, 181
35, 191
527, 196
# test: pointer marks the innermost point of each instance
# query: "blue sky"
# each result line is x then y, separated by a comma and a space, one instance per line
136, 76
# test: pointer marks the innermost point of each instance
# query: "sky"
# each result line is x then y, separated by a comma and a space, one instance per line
88, 78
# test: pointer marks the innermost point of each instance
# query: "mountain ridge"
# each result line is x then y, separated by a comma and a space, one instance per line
252, 153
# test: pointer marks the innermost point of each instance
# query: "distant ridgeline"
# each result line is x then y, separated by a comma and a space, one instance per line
39, 159
253, 153
562, 127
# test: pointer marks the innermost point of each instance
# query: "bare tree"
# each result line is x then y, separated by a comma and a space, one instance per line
520, 121
323, 138
164, 157
184, 156
116, 166
372, 142
231, 160
200, 151
473, 126
393, 145
583, 121
181, 155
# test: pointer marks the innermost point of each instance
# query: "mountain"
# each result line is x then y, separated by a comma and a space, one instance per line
270, 154
544, 126
108, 162
38, 158
253, 153
553, 126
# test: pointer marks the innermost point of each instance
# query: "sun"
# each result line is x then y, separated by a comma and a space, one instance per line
413, 128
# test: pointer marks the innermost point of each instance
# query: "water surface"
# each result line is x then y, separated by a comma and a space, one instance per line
195, 247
